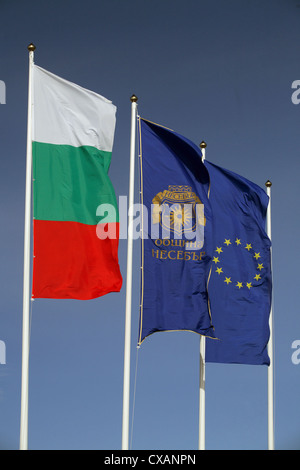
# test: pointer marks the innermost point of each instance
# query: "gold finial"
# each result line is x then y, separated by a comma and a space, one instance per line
203, 145
133, 99
268, 184
31, 47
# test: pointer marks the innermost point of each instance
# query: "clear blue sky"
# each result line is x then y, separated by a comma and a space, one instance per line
218, 71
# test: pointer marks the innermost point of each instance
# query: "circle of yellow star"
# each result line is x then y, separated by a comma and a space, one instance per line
228, 280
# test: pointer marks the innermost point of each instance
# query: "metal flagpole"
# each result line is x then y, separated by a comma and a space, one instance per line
126, 380
26, 276
201, 445
271, 445
202, 395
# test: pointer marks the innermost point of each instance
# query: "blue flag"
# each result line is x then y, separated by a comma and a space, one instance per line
240, 280
176, 256
217, 284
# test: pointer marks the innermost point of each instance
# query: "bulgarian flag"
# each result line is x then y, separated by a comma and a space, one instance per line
73, 133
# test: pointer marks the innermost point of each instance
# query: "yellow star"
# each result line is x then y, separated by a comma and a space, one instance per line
227, 242
260, 266
215, 260
257, 255
239, 284
228, 280
249, 285
257, 277
219, 270
238, 241
248, 246
219, 250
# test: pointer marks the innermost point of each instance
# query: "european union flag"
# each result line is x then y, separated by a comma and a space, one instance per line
176, 250
240, 280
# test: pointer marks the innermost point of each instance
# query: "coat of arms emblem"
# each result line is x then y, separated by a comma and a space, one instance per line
178, 209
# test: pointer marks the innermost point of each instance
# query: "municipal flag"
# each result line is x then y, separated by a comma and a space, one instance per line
176, 227
73, 133
239, 286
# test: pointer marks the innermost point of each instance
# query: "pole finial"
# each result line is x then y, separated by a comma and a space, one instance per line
203, 145
31, 47
268, 184
133, 99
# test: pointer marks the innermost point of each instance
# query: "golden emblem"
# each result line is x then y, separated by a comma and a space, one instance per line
178, 208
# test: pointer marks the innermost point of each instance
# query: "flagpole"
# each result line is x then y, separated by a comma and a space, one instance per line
201, 444
127, 345
271, 445
26, 275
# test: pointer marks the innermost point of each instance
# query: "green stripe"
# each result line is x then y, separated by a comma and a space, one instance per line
71, 182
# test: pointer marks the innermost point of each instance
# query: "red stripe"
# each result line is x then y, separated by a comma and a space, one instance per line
71, 262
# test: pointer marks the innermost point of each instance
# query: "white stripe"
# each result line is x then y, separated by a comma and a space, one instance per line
67, 114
